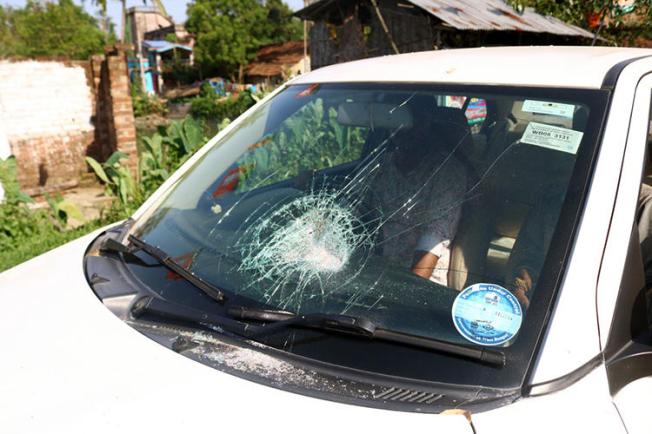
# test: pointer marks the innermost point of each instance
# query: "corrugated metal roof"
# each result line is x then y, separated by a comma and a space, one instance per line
161, 46
477, 15
495, 15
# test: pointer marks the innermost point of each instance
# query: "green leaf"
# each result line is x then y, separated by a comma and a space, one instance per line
97, 168
24, 197
123, 190
114, 158
71, 210
162, 173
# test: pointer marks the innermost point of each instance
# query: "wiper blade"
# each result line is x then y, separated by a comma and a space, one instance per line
282, 319
361, 327
164, 259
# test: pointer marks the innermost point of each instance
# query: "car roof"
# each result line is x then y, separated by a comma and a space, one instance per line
576, 67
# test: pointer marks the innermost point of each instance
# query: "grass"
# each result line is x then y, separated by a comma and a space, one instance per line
34, 246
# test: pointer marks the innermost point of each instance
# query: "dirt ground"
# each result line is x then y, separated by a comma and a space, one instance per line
90, 200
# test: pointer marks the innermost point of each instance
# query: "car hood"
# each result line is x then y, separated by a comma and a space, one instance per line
69, 365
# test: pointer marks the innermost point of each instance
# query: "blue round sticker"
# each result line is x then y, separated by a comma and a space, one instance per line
487, 314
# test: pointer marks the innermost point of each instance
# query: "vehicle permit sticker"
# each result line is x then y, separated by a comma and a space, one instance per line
551, 137
487, 314
548, 108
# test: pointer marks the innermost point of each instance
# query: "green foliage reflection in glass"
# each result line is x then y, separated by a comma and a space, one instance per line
311, 139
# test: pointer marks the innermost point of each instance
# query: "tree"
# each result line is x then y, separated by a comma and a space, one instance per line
617, 21
106, 22
62, 29
229, 32
7, 39
281, 24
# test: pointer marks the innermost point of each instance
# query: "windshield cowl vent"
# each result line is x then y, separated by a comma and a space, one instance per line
407, 395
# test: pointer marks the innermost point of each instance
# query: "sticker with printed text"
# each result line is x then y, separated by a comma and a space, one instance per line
551, 137
548, 108
487, 314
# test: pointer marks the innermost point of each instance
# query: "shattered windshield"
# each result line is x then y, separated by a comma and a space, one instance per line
428, 209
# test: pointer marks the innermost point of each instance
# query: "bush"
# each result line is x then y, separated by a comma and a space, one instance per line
118, 181
44, 241
25, 233
162, 153
178, 73
209, 106
17, 221
145, 104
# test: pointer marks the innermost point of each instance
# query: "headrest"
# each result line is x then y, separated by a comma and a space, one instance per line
374, 115
450, 116
451, 125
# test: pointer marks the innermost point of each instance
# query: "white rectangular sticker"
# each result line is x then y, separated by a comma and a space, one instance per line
548, 108
551, 137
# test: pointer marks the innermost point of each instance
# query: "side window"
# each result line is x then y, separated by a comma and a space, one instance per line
628, 346
644, 224
310, 140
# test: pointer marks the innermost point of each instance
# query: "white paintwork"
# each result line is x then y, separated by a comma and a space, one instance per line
583, 408
625, 208
579, 67
573, 336
633, 405
75, 367
70, 366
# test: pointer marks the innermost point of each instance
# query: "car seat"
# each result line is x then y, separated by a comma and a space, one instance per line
506, 192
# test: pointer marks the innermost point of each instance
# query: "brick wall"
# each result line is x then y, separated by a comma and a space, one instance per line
54, 113
46, 110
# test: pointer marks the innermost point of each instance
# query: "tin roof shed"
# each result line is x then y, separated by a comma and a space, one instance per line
345, 30
477, 15
496, 15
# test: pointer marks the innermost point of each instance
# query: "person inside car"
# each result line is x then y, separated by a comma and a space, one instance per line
419, 188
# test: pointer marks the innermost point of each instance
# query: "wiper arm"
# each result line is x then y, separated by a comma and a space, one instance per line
361, 327
164, 259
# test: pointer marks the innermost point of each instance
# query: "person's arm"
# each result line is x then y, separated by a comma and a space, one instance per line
440, 222
532, 244
424, 264
521, 286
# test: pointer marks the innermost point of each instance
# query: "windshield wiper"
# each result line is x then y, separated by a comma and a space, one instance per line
361, 327
278, 320
166, 260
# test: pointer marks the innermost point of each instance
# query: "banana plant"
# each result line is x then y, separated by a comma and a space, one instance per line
153, 164
63, 209
183, 138
118, 180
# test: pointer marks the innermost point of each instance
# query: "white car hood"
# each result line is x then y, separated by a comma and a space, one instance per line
69, 365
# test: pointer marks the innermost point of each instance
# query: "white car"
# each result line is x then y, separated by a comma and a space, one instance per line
441, 242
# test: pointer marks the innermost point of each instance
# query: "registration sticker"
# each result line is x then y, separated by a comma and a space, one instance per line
487, 314
548, 108
551, 137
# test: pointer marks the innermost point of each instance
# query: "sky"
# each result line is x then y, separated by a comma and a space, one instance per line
176, 8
